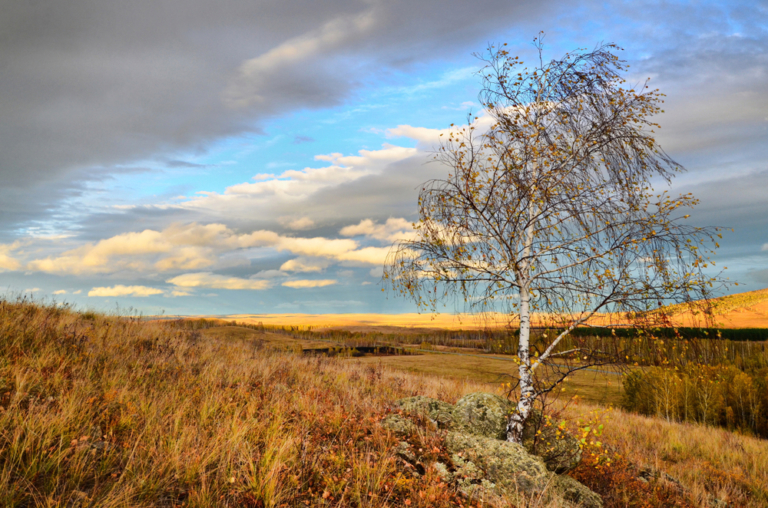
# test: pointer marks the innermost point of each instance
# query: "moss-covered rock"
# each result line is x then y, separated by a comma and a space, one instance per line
483, 414
439, 412
542, 437
486, 467
507, 465
398, 424
574, 492
404, 451
489, 469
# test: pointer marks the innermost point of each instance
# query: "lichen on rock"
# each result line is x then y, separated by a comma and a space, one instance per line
483, 414
505, 464
575, 492
398, 424
484, 466
489, 469
439, 412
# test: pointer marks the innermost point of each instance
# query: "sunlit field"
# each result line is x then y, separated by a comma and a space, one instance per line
743, 310
111, 411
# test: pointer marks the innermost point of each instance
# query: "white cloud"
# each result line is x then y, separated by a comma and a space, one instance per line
184, 247
216, 281
317, 247
60, 292
765, 247
366, 256
304, 265
288, 190
268, 274
32, 290
178, 247
121, 290
7, 262
77, 292
392, 230
299, 224
430, 138
301, 284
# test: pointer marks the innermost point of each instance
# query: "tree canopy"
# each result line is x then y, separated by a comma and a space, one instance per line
549, 211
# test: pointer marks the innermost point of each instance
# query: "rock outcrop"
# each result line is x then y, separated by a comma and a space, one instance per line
484, 466
439, 412
483, 414
399, 425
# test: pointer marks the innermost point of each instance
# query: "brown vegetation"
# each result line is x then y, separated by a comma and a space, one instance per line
107, 411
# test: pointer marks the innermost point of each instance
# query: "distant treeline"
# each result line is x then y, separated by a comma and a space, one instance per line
476, 338
734, 334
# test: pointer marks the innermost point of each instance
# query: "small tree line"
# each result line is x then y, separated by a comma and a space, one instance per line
721, 395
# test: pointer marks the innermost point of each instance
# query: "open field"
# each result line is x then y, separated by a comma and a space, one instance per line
117, 412
278, 340
468, 365
590, 386
742, 310
365, 322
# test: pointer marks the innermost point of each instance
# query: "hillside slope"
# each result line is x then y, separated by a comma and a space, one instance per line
119, 412
741, 310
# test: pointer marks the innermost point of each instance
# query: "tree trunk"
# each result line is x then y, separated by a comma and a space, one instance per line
527, 392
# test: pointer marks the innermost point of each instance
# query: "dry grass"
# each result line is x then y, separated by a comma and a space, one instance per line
108, 412
710, 463
741, 310
113, 412
365, 322
590, 386
280, 341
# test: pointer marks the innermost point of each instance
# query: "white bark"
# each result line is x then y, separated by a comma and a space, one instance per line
527, 391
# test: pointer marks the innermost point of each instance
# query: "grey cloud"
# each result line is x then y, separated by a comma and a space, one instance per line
93, 84
89, 86
183, 164
737, 202
760, 276
712, 63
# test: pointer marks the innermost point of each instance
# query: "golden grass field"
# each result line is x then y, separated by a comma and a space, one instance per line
742, 310
364, 322
119, 412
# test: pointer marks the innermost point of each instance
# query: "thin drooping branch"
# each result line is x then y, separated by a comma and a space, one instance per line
549, 214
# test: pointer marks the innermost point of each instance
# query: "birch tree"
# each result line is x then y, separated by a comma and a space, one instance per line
550, 213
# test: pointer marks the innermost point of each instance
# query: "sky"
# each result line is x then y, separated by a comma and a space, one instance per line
260, 156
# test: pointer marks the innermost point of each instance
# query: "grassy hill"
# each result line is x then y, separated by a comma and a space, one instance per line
110, 411
742, 310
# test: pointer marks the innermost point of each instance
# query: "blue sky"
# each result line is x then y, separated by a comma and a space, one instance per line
230, 157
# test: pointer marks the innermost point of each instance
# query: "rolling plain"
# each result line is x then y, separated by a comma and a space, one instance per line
111, 411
